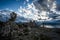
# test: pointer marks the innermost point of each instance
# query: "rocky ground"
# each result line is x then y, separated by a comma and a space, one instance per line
27, 31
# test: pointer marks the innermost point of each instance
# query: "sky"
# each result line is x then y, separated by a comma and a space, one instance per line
13, 4
29, 12
58, 1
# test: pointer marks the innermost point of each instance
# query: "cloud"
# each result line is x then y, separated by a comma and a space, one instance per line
49, 7
27, 0
29, 12
37, 10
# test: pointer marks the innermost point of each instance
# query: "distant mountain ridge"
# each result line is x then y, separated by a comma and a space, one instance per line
5, 16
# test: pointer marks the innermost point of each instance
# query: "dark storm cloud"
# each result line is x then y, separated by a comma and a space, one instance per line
43, 5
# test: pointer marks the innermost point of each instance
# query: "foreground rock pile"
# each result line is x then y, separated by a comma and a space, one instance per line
27, 31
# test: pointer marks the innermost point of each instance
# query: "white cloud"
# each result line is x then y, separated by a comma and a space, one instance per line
27, 0
31, 12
